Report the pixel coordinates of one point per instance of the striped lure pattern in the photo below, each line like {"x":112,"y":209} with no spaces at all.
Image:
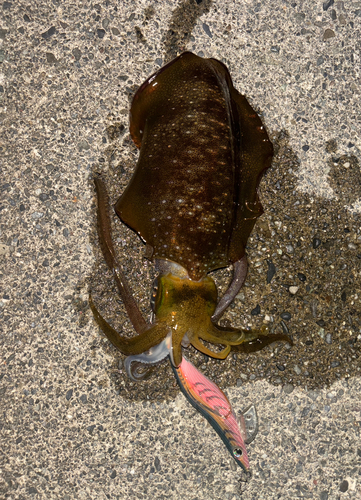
{"x":214,"y":405}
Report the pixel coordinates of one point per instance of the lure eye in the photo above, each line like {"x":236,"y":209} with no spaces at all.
{"x":237,"y":452}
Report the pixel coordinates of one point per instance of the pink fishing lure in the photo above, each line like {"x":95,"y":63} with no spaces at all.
{"x":214,"y":405}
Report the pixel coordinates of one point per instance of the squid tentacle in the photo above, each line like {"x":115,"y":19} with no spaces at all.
{"x":106,"y":244}
{"x":151,"y":357}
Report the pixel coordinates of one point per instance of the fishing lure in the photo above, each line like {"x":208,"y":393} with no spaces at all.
{"x":193,"y":199}
{"x":213,"y":404}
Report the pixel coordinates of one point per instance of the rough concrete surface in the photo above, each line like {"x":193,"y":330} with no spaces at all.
{"x":72,"y":426}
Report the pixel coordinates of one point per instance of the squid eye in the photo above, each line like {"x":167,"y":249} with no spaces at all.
{"x":154,"y":294}
{"x":237,"y":452}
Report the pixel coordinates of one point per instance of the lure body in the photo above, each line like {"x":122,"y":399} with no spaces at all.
{"x":193,"y":200}
{"x":213,"y":404}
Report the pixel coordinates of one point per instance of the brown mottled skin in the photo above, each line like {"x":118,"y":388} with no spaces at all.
{"x":193,"y":199}
{"x":193,"y":196}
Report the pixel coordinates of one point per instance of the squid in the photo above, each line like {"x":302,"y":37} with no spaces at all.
{"x":193,"y":199}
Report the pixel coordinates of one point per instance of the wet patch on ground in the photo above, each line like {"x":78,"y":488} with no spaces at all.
{"x":304,"y":280}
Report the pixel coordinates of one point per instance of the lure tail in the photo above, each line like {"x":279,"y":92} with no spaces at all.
{"x":214,"y":405}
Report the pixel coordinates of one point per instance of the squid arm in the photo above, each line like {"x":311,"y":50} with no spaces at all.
{"x":239,"y":276}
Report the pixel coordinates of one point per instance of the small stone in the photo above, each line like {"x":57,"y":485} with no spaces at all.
{"x":328,"y":338}
{"x":69,"y":394}
{"x":50,"y":58}
{"x":297,"y":370}
{"x":293,"y":289}
{"x":301,"y":277}
{"x":328,"y":34}
{"x":288,"y":388}
{"x":256,"y":311}
{"x":300,"y":17}
{"x":284,"y":327}
{"x":328,"y":4}
{"x":83,"y":145}
{"x":47,"y":34}
{"x":76,"y":53}
{"x":271,"y":271}
{"x":37,"y":215}
{"x":286,"y":316}
{"x":316,"y":242}
{"x":207,"y":30}
{"x":313,"y":395}
{"x":344,"y":486}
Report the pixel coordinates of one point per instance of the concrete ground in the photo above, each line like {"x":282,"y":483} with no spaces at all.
{"x":72,"y":426}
